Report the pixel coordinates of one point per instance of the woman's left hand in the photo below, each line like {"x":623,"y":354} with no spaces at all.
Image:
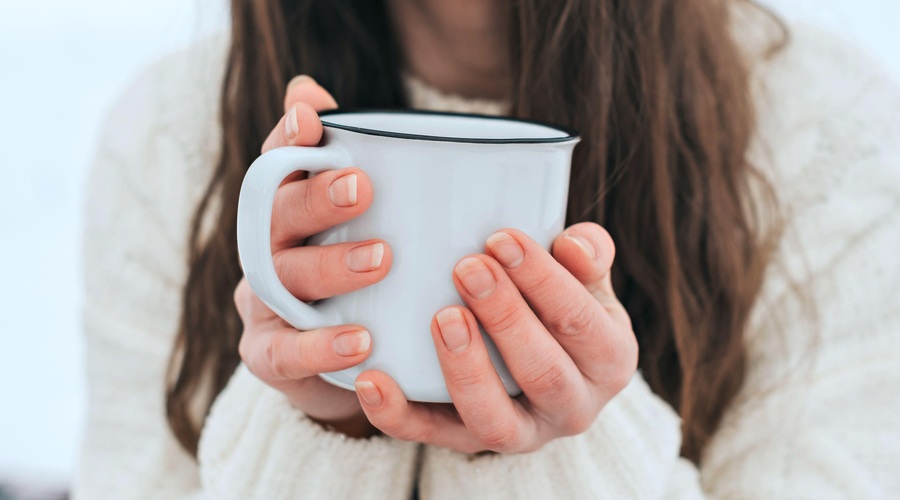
{"x":564,"y":336}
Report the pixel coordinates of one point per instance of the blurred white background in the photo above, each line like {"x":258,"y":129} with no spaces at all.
{"x":62,"y":62}
{"x":61,"y":65}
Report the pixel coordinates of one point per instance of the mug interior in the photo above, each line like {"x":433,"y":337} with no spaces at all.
{"x":445,"y":126}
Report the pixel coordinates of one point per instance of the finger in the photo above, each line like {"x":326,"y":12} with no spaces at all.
{"x":300,"y":126}
{"x":310,"y":206}
{"x":546,"y":374}
{"x":318,"y":272}
{"x":434,"y":424}
{"x":587,"y":251}
{"x":496,"y":420}
{"x":305,"y":393}
{"x":281,"y":354}
{"x":597,"y":344}
{"x":303,"y":88}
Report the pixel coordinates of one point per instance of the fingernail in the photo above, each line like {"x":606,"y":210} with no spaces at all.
{"x":506,"y":249}
{"x":290,"y":123}
{"x":476,"y":278}
{"x":453,"y":328}
{"x":351,"y":343}
{"x":342,"y":191}
{"x":299,"y":79}
{"x":365,"y":258}
{"x":585,"y":245}
{"x":370,"y":394}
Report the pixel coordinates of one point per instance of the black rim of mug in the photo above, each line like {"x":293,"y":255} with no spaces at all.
{"x":570,"y":133}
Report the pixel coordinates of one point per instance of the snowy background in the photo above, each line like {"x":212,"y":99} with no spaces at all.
{"x":61,"y":65}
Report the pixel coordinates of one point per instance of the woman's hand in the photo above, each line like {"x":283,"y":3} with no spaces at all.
{"x":281,"y":356}
{"x":556,"y":321}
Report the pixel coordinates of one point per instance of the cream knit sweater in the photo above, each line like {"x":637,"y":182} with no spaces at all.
{"x":819,"y":416}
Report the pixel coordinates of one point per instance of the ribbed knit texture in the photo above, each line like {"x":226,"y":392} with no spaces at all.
{"x":818,"y":417}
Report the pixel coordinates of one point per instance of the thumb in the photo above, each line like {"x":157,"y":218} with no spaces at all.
{"x":300,"y":125}
{"x":303,"y":88}
{"x":587,"y":251}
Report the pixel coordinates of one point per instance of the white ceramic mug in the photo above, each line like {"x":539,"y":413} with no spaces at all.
{"x":443,"y":182}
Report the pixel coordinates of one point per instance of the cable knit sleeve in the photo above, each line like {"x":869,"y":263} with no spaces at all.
{"x":154,"y":158}
{"x":817,"y":417}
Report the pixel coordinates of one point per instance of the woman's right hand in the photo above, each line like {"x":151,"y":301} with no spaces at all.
{"x":281,"y":356}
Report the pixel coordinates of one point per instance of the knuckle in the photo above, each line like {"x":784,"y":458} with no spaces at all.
{"x":631,"y":354}
{"x":283,"y":264}
{"x":318,"y":272}
{"x":541,"y":284}
{"x":293,"y":271}
{"x":326,"y":264}
{"x":505,"y":318}
{"x":467,"y":379}
{"x":500,"y":437}
{"x":276,"y":360}
{"x":283,"y":209}
{"x":575,"y":321}
{"x":621,"y":377}
{"x":577,"y":422}
{"x":244,"y":349}
{"x":547,"y":377}
{"x":624,"y":364}
{"x":310,"y":206}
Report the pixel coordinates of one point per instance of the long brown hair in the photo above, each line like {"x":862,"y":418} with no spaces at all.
{"x":661,"y":96}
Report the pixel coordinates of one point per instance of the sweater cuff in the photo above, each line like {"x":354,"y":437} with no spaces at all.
{"x":256,"y":445}
{"x":629,"y":452}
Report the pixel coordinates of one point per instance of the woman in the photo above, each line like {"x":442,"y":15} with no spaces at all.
{"x":732,"y":213}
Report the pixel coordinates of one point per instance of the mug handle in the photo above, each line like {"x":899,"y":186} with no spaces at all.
{"x":254,"y":227}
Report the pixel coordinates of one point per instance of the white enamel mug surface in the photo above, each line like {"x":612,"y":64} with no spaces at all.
{"x":443,"y":182}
